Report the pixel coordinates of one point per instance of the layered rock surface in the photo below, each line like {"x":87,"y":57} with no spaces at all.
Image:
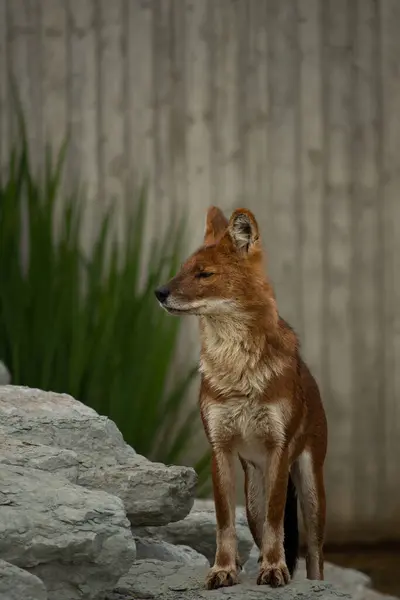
{"x":66,"y":437}
{"x":197,"y":530}
{"x":77,"y":541}
{"x":69,"y":482}
{"x":149,"y":548}
{"x":17,"y":584}
{"x":155,"y":580}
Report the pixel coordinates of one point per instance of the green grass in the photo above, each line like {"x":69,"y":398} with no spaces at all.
{"x":88,"y":326}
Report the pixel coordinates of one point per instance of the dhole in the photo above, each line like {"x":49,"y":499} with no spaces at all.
{"x":258,"y":400}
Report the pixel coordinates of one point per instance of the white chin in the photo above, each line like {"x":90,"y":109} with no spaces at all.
{"x":172,"y":310}
{"x":207,"y":308}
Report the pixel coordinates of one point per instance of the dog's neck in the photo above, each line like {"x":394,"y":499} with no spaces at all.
{"x":235,"y":354}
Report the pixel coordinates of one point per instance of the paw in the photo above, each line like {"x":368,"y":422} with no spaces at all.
{"x":219,"y":577}
{"x":275,"y":575}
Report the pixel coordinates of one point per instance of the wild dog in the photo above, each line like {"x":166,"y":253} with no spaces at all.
{"x":258,"y":400}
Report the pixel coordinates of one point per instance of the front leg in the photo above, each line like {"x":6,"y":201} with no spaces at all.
{"x":225,"y":570}
{"x":273,"y":569}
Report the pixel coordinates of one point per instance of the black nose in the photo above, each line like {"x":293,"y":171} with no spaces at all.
{"x":162,"y":293}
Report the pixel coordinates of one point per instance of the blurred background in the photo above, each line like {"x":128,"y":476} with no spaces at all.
{"x":121,"y":121}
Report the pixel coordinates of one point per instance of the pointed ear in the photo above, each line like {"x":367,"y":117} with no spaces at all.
{"x":216,"y":224}
{"x":243,"y":230}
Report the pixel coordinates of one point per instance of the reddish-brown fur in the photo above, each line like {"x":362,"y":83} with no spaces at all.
{"x":258,"y":399}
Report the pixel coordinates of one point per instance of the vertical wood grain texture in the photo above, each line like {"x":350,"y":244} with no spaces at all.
{"x":24,"y":20}
{"x":141,"y":107}
{"x":289,"y":107}
{"x":283,"y":84}
{"x":339,"y":248}
{"x":56,"y":117}
{"x":390,"y":80}
{"x":226,"y":92}
{"x":163,"y":85}
{"x":311,"y":153}
{"x":367,"y":433}
{"x":84,"y":108}
{"x":256,"y":185}
{"x":112,"y":122}
{"x":198,"y":115}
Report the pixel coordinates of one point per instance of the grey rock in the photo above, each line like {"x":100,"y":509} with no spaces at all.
{"x":60,"y":461}
{"x":152,"y":493}
{"x":354,"y":582}
{"x":5,"y":377}
{"x":53,"y":419}
{"x":98,"y":458}
{"x":373,"y":595}
{"x":198,"y":530}
{"x":350,"y":580}
{"x":77,"y":541}
{"x":17,"y":584}
{"x":174,"y":581}
{"x":207,"y":505}
{"x":251,"y":565}
{"x":148,"y":548}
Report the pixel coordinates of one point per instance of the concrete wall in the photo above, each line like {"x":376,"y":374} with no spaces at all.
{"x":290,"y":107}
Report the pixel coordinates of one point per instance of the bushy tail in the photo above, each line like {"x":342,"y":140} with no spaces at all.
{"x":291,"y":528}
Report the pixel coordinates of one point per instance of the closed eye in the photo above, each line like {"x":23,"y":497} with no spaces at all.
{"x":203,"y":274}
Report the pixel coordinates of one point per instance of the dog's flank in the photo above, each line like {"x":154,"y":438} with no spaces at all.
{"x":258,"y":400}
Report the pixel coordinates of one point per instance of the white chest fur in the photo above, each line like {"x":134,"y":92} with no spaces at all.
{"x":249,"y":425}
{"x":232,"y":360}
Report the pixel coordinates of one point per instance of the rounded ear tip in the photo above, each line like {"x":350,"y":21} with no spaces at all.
{"x":213,"y":210}
{"x":243,"y":228}
{"x":243,"y":215}
{"x":216,"y":223}
{"x":243,"y":211}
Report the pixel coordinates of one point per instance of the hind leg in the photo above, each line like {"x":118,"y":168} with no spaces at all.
{"x":255,"y":499}
{"x":309,"y":481}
